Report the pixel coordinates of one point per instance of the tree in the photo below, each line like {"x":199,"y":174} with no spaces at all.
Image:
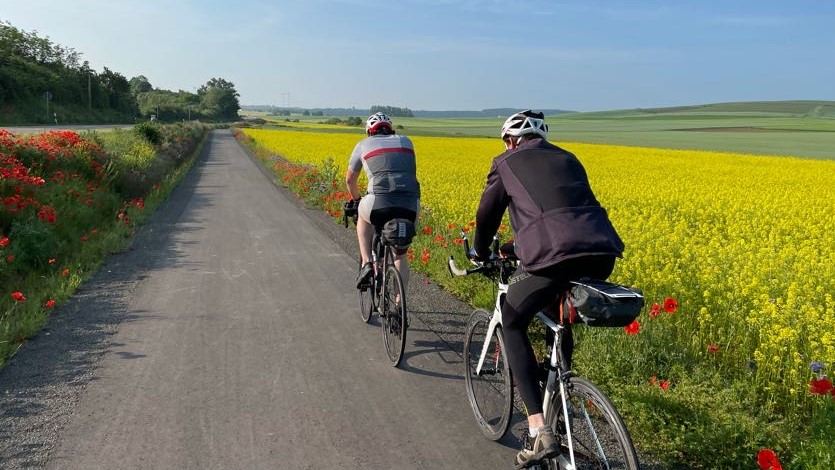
{"x":139,"y":85}
{"x":219,"y":99}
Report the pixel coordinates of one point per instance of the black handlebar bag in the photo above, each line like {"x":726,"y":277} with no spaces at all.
{"x":601,"y":303}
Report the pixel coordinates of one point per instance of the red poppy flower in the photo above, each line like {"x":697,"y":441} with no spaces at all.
{"x":10,"y":259}
{"x":4,"y":241}
{"x":713,"y":348}
{"x":65,"y":272}
{"x":427,"y":230}
{"x":18,"y":296}
{"x":670,"y":305}
{"x":84,"y":238}
{"x":51,"y":261}
{"x":664,"y":385}
{"x":472,"y":223}
{"x":49,"y":303}
{"x":655,"y":310}
{"x":767,"y":460}
{"x":632,"y":328}
{"x":820,"y":386}
{"x":653,"y":380}
{"x":439,"y":238}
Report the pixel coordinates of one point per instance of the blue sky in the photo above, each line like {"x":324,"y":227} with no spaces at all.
{"x":462,"y":55}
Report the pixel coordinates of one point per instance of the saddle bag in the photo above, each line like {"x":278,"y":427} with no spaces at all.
{"x":600,"y":303}
{"x":399,"y":232}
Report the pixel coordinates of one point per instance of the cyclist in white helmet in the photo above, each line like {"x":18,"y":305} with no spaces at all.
{"x":561,"y":233}
{"x":393,"y":189}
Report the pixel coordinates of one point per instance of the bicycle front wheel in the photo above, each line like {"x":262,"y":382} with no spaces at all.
{"x":489,"y":391}
{"x":599,"y":437}
{"x":393,"y":315}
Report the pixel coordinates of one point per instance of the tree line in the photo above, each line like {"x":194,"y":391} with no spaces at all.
{"x":43,"y":82}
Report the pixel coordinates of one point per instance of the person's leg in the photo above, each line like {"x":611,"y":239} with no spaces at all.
{"x":526,"y":295}
{"x":365,"y":236}
{"x":401,"y":263}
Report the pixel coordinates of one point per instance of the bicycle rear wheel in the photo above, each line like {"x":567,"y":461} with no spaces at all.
{"x":366,"y":295}
{"x":489,"y":392}
{"x":600,"y":439}
{"x":393,"y":315}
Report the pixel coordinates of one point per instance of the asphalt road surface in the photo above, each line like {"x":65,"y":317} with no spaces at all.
{"x":228,"y":337}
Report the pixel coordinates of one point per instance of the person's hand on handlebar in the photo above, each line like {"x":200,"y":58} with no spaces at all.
{"x":475,"y":257}
{"x":351,"y":210}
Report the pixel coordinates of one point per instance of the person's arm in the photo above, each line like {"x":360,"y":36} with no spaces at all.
{"x":494,"y":201}
{"x":353,"y":173}
{"x":351,"y":178}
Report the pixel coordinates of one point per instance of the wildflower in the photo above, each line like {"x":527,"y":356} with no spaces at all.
{"x":427,"y":230}
{"x":10,"y":259}
{"x":450,"y":225}
{"x":18,"y":296}
{"x":65,"y":272}
{"x":655,"y":310}
{"x":49,"y":303}
{"x":820,"y":386}
{"x":713,"y":348}
{"x":51,"y":261}
{"x":816,"y":367}
{"x":670,"y":305}
{"x":4,"y":241}
{"x":664,"y":385}
{"x":632,"y":328}
{"x":767,"y":460}
{"x":439,"y":238}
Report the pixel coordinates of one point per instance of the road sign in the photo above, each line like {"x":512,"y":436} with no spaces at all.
{"x":47,"y":96}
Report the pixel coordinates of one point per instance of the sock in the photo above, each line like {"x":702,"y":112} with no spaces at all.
{"x":533,"y":432}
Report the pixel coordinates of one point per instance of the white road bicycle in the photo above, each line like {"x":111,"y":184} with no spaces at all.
{"x":591,"y":432}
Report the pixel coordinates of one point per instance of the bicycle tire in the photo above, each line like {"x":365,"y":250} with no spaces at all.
{"x":393,"y":315}
{"x":490,"y":393}
{"x":600,"y":438}
{"x":366,"y":297}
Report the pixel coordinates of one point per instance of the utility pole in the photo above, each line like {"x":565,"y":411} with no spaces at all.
{"x":89,"y":94}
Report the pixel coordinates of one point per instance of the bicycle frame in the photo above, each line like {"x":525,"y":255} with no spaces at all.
{"x":557,"y":372}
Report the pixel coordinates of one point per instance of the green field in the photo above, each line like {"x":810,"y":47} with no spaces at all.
{"x":794,"y":128}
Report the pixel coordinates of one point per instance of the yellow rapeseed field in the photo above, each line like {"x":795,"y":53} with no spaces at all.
{"x":745,"y":244}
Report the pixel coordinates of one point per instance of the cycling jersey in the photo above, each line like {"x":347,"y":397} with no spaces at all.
{"x":389,"y":164}
{"x":553,"y":211}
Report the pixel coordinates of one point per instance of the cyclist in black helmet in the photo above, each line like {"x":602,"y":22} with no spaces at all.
{"x":393,"y":189}
{"x":561,"y":232}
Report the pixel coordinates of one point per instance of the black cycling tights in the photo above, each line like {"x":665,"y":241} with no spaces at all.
{"x":529,"y":293}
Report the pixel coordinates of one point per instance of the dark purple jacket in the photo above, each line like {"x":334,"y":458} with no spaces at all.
{"x":553,"y":212}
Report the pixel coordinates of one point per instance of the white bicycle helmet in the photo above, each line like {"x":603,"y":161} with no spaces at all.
{"x":377,"y":121}
{"x":525,"y":122}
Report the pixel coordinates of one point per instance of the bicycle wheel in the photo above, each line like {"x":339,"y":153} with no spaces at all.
{"x":393,"y":315}
{"x":366,"y":295}
{"x":600,"y":439}
{"x":489,"y":392}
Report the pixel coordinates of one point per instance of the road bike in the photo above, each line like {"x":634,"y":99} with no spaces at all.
{"x":385,"y":293}
{"x":591,"y":431}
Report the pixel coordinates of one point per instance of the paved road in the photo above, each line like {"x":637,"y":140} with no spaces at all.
{"x":228,"y":337}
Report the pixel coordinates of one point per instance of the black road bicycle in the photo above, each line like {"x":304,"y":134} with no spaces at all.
{"x":591,"y":432}
{"x":384,"y":294}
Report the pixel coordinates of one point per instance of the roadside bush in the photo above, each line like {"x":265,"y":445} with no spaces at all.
{"x":149,"y":131}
